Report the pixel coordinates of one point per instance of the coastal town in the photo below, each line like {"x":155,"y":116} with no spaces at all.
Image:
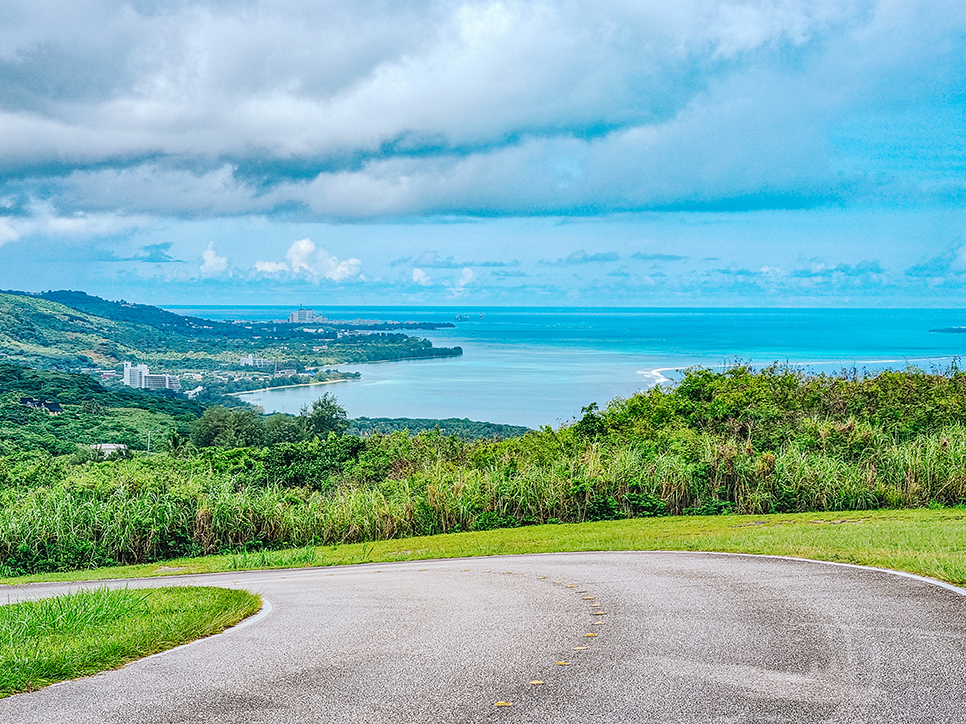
{"x":149,"y":348}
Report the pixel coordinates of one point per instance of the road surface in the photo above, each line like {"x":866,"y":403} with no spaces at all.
{"x":613,"y":637}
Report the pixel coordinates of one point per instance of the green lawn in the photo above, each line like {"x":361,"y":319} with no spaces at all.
{"x":82,"y":633}
{"x":926,"y":542}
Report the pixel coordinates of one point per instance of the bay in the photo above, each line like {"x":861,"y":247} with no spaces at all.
{"x":540,"y":366}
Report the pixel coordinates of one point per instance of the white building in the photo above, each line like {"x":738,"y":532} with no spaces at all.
{"x":162,"y":382}
{"x":134,"y":374}
{"x":140,"y":376}
{"x":302,"y":316}
{"x":253,"y":361}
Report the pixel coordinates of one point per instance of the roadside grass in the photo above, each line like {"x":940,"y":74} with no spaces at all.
{"x":922,"y":541}
{"x":79,"y":634}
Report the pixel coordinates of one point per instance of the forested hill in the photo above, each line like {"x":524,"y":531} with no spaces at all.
{"x":156,"y":317}
{"x":41,"y":333}
{"x":67,"y":330}
{"x":90,"y":413}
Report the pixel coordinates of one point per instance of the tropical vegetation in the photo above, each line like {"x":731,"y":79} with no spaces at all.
{"x":740,"y":441}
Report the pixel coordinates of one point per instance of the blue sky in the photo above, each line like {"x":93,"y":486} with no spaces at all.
{"x":695,"y":153}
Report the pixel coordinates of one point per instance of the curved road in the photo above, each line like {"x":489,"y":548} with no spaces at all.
{"x":613,"y":637}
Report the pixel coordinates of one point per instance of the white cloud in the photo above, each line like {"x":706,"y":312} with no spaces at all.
{"x":44,"y":221}
{"x":303,"y":256}
{"x":959,"y":260}
{"x":212,"y":264}
{"x":271,"y":267}
{"x":467,"y":276}
{"x":358,"y":109}
{"x":420,"y":276}
{"x":7,"y":231}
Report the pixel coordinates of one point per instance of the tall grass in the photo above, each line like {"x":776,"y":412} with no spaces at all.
{"x":737,"y":442}
{"x":78,"y":634}
{"x":152,"y":509}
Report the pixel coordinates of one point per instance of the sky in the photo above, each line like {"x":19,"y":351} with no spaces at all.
{"x":617,"y":153}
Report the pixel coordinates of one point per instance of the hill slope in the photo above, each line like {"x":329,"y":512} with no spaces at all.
{"x":42,"y":331}
{"x":91,"y":412}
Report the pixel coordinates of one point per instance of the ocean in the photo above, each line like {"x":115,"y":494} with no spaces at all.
{"x":540,"y":366}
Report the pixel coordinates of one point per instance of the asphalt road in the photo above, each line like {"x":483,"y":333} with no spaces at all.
{"x":613,"y":637}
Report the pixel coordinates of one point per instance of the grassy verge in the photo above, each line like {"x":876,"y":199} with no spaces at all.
{"x":926,"y":542}
{"x":79,"y":634}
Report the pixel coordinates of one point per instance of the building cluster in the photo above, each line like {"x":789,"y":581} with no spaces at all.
{"x":303,"y":316}
{"x":140,"y":376}
{"x":253,"y":361}
{"x":52,"y":408}
{"x":99,"y":372}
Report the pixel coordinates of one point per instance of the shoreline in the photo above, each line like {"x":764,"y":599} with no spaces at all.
{"x":286,"y":387}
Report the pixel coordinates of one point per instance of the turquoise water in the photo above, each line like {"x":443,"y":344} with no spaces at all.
{"x":539,"y":366}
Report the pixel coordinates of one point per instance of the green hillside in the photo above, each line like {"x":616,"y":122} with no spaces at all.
{"x":91,"y":413}
{"x":42,"y":331}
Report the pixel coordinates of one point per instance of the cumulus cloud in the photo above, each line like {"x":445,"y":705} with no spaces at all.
{"x":303,"y":255}
{"x":212,"y":264}
{"x":271,"y":267}
{"x":420,"y":277}
{"x":357,"y":109}
{"x":307,"y":260}
{"x":466,"y":277}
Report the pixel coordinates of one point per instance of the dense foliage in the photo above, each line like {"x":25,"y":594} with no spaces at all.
{"x":220,"y":427}
{"x":771,"y":441}
{"x":461,"y":427}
